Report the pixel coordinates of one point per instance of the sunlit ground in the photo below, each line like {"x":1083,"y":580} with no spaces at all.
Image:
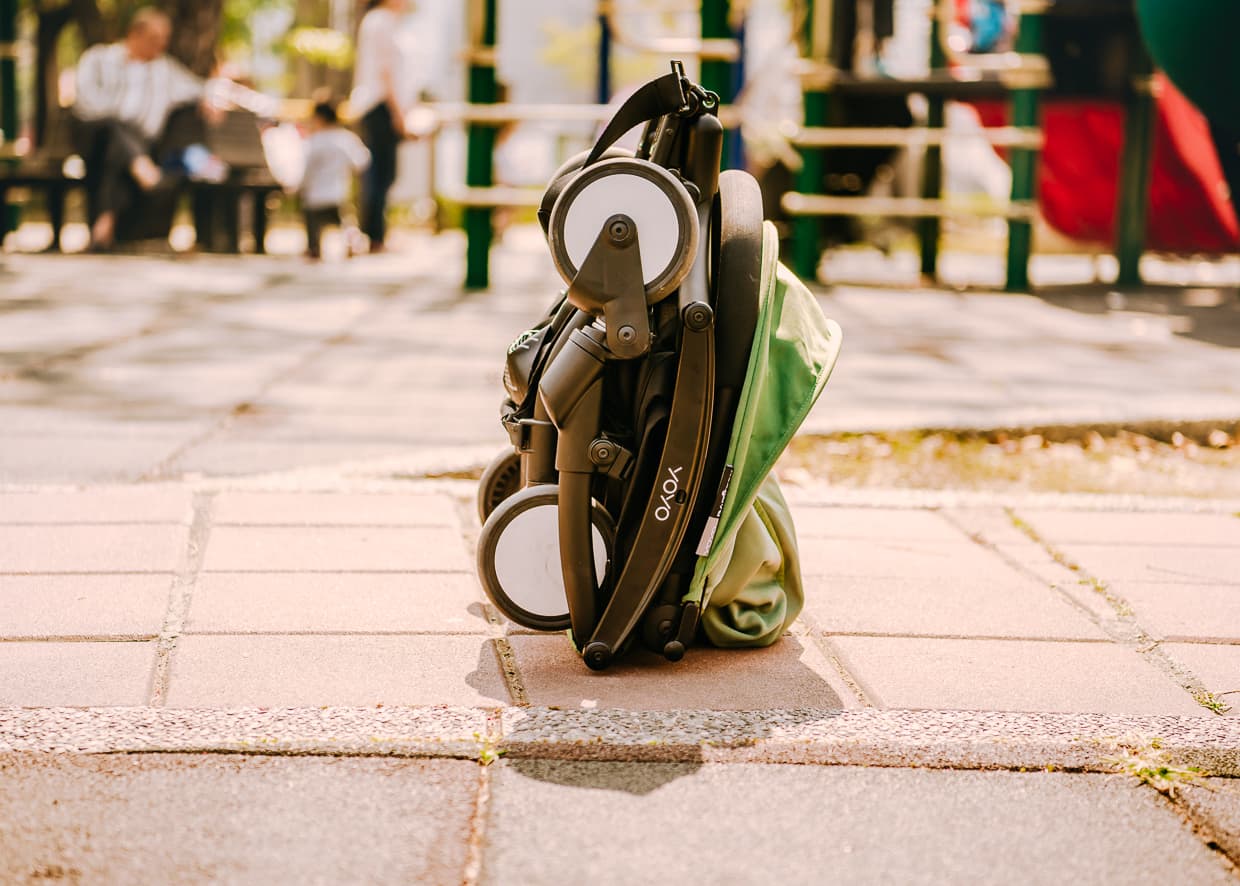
{"x":1123,"y":463}
{"x":972,"y":257}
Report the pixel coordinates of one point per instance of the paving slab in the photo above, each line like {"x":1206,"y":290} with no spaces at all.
{"x":864,"y":737}
{"x":790,"y":674}
{"x":1216,"y":664}
{"x":287,"y":671}
{"x":238,"y":455}
{"x":333,"y":509}
{"x":991,"y":524}
{"x":1182,"y":564}
{"x":1149,"y":528}
{"x":155,"y":818}
{"x":1185,"y":611}
{"x":51,"y":457}
{"x":903,"y":558}
{"x":928,"y":606}
{"x":1215,"y":803}
{"x":353,"y":602}
{"x":334,"y":549}
{"x":82,"y":605}
{"x":425,"y":731}
{"x":79,"y":674}
{"x":1010,"y":675}
{"x":797,"y":824}
{"x":872,"y":523}
{"x":134,"y":504}
{"x":108,"y":548}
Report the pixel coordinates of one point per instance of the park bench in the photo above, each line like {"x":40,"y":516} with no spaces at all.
{"x":220,"y":209}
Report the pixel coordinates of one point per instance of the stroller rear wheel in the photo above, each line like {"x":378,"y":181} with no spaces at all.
{"x":519,"y":557}
{"x":501,"y":479}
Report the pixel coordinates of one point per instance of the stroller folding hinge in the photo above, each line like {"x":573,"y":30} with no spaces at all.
{"x":611,"y":458}
{"x":610,"y":284}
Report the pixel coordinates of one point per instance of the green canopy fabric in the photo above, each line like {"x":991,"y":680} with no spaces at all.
{"x":749,"y":579}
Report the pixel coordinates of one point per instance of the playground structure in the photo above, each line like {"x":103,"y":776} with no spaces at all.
{"x":1014,"y":82}
{"x":1015,"y":91}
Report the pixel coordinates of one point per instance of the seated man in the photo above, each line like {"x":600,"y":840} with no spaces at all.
{"x":125,"y":92}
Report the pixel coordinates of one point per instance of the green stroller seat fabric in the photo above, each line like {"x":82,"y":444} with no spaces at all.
{"x":749,"y":578}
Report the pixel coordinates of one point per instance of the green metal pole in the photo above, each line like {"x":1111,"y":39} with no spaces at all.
{"x":8,"y":96}
{"x":717,"y":75}
{"x":929,"y":229}
{"x":1025,"y":110}
{"x":807,"y":229}
{"x":481,"y":146}
{"x":1132,"y":209}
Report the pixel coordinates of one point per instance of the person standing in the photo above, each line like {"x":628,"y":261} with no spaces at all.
{"x":380,"y":99}
{"x":125,"y":92}
{"x":333,"y":156}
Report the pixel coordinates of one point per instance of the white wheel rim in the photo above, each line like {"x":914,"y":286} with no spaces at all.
{"x":650,"y":207}
{"x":527,"y":561}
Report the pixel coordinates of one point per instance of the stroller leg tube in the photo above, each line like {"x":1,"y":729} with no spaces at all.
{"x":572,"y":392}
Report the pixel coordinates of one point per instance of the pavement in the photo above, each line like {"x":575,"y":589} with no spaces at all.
{"x":241,"y":639}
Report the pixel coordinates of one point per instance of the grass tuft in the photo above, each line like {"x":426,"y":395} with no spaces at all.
{"x":1144,"y":759}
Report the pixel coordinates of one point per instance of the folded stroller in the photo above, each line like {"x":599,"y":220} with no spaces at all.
{"x":648,"y":407}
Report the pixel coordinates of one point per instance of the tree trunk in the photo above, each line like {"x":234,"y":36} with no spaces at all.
{"x":195,"y":32}
{"x":91,"y":22}
{"x":50,"y":25}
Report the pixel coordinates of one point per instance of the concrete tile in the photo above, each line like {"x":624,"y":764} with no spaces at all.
{"x":1010,"y":675}
{"x":1015,"y":608}
{"x":34,"y":674}
{"x":55,"y":458}
{"x":903,"y":558}
{"x":831,"y":824}
{"x":140,"y":504}
{"x":993,"y":525}
{"x":1189,"y":565}
{"x":182,"y":818}
{"x":236,"y":454}
{"x":287,"y":602}
{"x":790,"y":674}
{"x":872,"y":523}
{"x":82,"y":605}
{"x":1184,"y":611}
{"x":1121,"y":528}
{"x":110,"y":548}
{"x":1216,"y":664}
{"x":335,"y":549}
{"x":1217,"y":804}
{"x":333,"y":509}
{"x":289,"y":671}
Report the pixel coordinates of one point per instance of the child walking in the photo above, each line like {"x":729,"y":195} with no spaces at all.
{"x":333,"y":156}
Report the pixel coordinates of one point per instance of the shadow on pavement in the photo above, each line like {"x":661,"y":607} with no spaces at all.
{"x":1210,"y":315}
{"x":637,"y":780}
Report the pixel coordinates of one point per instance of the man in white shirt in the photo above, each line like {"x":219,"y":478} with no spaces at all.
{"x":125,"y":92}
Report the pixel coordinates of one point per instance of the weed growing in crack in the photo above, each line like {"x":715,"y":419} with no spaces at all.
{"x":1212,"y":702}
{"x":488,"y":749}
{"x":1144,"y":759}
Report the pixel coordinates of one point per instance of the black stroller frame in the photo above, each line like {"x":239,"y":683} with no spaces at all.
{"x":621,"y":402}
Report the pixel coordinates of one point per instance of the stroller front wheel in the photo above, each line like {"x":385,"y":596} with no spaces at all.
{"x":519,"y":557}
{"x":501,"y":479}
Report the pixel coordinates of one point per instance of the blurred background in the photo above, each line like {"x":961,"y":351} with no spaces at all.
{"x":980,"y":142}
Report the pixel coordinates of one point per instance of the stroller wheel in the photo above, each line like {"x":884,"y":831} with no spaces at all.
{"x":519,"y":557}
{"x":501,"y":479}
{"x":652,"y":197}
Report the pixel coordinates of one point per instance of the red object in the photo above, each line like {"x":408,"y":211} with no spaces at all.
{"x":1189,"y":211}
